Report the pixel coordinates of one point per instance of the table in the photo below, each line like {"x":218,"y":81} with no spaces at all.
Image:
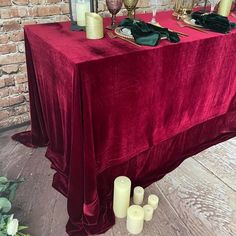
{"x":106,"y":108}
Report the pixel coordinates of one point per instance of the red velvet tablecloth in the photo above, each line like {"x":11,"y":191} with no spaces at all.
{"x":107,"y":108}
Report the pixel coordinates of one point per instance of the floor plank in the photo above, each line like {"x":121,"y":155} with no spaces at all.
{"x":221,"y":160}
{"x":203,"y":202}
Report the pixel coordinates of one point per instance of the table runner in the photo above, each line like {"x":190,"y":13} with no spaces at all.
{"x":107,"y":108}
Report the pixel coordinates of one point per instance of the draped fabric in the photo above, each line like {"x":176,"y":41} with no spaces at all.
{"x":106,"y":108}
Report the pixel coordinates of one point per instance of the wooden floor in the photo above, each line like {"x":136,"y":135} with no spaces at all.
{"x":196,"y":199}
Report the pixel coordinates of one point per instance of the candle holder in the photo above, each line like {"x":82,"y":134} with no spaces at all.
{"x":75,"y":7}
{"x":183,"y":8}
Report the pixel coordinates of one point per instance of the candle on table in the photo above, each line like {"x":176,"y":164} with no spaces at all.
{"x":81,"y":8}
{"x":153,"y":201}
{"x":121,"y":196}
{"x":148,"y":212}
{"x":138,"y":195}
{"x":135,"y":218}
{"x":224,"y":7}
{"x":94,"y":26}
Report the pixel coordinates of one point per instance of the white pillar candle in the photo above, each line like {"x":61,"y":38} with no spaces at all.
{"x":94,"y":26}
{"x":138,"y":195}
{"x":121,"y":196}
{"x":148,"y":212}
{"x":81,"y":9}
{"x":153,"y":201}
{"x":224,"y":7}
{"x":135,"y":218}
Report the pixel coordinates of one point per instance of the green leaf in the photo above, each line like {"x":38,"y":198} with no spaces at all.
{"x":3,"y":179}
{"x":5,"y":204}
{"x":22,"y":227}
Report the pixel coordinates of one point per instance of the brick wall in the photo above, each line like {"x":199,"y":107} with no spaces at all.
{"x":14,"y":14}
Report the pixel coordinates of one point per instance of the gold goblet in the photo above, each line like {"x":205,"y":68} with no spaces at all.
{"x":130,"y":5}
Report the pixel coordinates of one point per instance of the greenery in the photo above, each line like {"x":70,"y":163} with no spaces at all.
{"x":9,"y":226}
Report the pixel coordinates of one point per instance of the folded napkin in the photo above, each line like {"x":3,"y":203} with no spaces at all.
{"x":213,"y":21}
{"x":148,"y":34}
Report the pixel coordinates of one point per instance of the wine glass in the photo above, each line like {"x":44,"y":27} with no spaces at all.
{"x":130,"y":5}
{"x":114,"y":7}
{"x":213,"y":4}
{"x":154,"y":6}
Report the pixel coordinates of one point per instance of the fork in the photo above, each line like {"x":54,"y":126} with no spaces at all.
{"x":181,"y":24}
{"x":113,"y":36}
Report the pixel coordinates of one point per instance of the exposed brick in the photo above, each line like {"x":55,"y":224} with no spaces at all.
{"x":35,"y":2}
{"x":4,"y":102}
{"x":17,"y":36}
{"x":61,"y":18}
{"x":53,"y":1}
{"x":19,"y":89}
{"x":7,"y":48}
{"x":33,"y":11}
{"x":11,"y":25}
{"x":16,"y":100}
{"x":3,"y":38}
{"x":22,"y":68}
{"x":9,"y":81}
{"x":14,"y":12}
{"x":49,"y":10}
{"x":20,"y":2}
{"x":66,"y":1}
{"x":9,"y":69}
{"x":4,"y":114}
{"x":21,"y":47}
{"x":28,"y":22}
{"x":21,"y":78}
{"x":27,"y":97}
{"x":2,"y":82}
{"x":12,"y":59}
{"x":4,"y":3}
{"x":65,"y":9}
{"x":4,"y":92}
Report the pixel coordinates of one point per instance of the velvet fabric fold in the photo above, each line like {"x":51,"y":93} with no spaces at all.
{"x":105,"y":108}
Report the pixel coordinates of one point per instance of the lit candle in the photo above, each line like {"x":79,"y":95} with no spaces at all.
{"x":138,"y":195}
{"x":153,"y":201}
{"x":121,"y":196}
{"x":148,"y":212}
{"x":135,"y":218}
{"x":81,"y":8}
{"x":224,"y":7}
{"x":94,"y":26}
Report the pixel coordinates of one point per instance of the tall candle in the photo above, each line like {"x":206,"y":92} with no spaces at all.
{"x":81,"y":8}
{"x":135,"y":218}
{"x":153,"y":200}
{"x":148,"y":212}
{"x":121,"y":196}
{"x":94,"y":26}
{"x":138,"y":195}
{"x":224,"y":7}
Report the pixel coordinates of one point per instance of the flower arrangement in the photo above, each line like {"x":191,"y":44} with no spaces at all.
{"x":9,"y":226}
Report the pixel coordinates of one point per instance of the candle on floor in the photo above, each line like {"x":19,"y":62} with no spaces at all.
{"x":148,"y":212}
{"x":121,"y":196}
{"x":81,"y":8}
{"x":138,"y":195}
{"x":94,"y":26}
{"x":135,"y":218}
{"x":153,"y":201}
{"x":224,"y":7}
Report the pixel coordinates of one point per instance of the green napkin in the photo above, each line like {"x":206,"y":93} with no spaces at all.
{"x":148,"y":34}
{"x":213,"y":21}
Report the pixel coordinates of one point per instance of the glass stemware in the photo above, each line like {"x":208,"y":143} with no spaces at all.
{"x":154,"y":6}
{"x":114,"y":7}
{"x":213,"y":4}
{"x":130,"y":5}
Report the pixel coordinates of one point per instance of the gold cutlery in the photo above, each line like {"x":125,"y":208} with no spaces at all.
{"x":113,"y":36}
{"x":181,"y":24}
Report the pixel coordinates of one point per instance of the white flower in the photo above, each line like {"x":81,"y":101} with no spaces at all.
{"x":12,"y":227}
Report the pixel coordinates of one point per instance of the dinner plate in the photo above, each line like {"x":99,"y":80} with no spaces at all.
{"x":190,"y":21}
